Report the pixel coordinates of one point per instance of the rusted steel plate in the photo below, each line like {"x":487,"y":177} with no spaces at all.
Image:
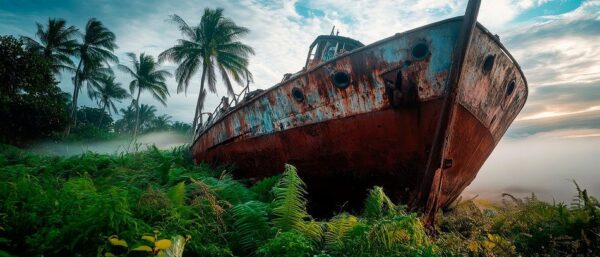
{"x":486,"y":93}
{"x":341,"y":159}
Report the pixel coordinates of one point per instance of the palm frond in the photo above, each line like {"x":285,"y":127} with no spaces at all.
{"x":182,"y":25}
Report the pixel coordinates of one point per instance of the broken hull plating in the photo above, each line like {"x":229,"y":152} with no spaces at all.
{"x":381,"y":129}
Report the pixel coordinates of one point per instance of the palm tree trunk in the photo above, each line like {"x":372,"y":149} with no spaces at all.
{"x":102,"y":116}
{"x":76,"y":86}
{"x":137,"y":116}
{"x":198,"y":109}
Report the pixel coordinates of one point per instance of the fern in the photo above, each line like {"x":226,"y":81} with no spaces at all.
{"x":402,"y":230}
{"x":177,"y":194}
{"x":289,"y":205}
{"x":263,"y":188}
{"x":251,"y":224}
{"x":337,"y":229}
{"x":378,"y":204}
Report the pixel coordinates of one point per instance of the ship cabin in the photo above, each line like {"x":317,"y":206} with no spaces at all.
{"x":327,"y":47}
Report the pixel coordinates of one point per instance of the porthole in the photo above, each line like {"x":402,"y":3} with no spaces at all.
{"x":488,"y":64}
{"x":297,"y":94}
{"x":510,"y":87}
{"x":340,"y":79}
{"x":420,"y":50}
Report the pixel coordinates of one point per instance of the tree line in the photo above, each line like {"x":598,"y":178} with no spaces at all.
{"x":211,"y":46}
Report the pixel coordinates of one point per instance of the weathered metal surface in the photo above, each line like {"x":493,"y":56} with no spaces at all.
{"x":276,"y":110}
{"x":380,"y":130}
{"x":428,"y":193}
{"x":485,"y":93}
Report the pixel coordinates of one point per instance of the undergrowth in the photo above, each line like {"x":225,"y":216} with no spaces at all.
{"x":159,"y":203}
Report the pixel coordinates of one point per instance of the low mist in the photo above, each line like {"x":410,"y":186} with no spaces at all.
{"x":545,"y":164}
{"x":162,"y":140}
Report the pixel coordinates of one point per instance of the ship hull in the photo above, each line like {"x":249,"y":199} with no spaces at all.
{"x":395,"y":126}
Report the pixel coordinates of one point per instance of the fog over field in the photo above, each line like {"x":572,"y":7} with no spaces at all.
{"x":162,"y":140}
{"x":545,"y":164}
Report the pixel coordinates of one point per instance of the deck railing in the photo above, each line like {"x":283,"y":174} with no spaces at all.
{"x":224,"y":106}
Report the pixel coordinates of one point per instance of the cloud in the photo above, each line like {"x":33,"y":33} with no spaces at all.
{"x":560,"y":56}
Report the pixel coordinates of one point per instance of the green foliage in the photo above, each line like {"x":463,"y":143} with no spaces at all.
{"x":32,"y":106}
{"x":94,"y":204}
{"x":541,"y":228}
{"x":336,"y":231}
{"x":289,"y":205}
{"x":214,"y":45}
{"x":177,"y":194}
{"x":250,"y":224}
{"x":377,"y":204}
{"x":287,"y":244}
{"x":106,"y":92}
{"x":94,"y":50}
{"x":147,"y":76}
{"x":56,"y":43}
{"x":97,"y":118}
{"x":263,"y":188}
{"x":383,"y":232}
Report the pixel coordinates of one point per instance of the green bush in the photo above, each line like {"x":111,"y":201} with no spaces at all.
{"x":32,"y":106}
{"x":287,"y":244}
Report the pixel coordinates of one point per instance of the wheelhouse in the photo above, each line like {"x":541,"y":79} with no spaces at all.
{"x":327,"y":47}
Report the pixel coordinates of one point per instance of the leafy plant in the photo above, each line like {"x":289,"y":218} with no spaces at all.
{"x":378,"y":204}
{"x":27,"y":87}
{"x":251,"y":225}
{"x":287,"y":244}
{"x":289,"y":205}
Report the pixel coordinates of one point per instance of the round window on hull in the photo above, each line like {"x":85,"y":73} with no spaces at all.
{"x":420,"y":51}
{"x":341,"y":79}
{"x":510,"y":88}
{"x":488,"y":64}
{"x":297,"y":94}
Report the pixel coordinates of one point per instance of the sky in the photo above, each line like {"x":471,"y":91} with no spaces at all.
{"x":556,"y":137}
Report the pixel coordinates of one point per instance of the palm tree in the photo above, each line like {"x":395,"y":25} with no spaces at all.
{"x":162,"y":122}
{"x":56,"y":43}
{"x":127,"y":122}
{"x":181,"y":127}
{"x":96,"y":48}
{"x":212,"y":45}
{"x":145,"y":115}
{"x":107,"y":92}
{"x":147,"y":76}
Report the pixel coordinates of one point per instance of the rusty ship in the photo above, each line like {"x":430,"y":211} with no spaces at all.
{"x":417,"y":113}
